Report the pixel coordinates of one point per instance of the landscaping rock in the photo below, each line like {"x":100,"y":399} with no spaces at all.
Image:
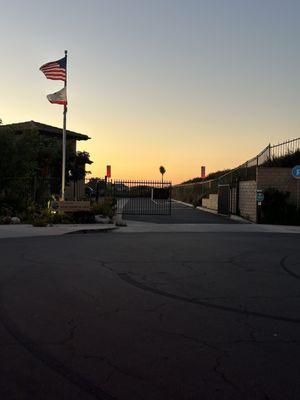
{"x":15,"y":220}
{"x":120,"y":221}
{"x":6,"y":220}
{"x":102,"y":220}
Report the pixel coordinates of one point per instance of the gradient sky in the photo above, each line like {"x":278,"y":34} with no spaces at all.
{"x":158,"y":82}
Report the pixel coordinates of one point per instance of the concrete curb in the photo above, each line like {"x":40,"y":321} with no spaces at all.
{"x":85,"y":231}
{"x":182,"y":202}
{"x":24,"y":230}
{"x":148,"y":227}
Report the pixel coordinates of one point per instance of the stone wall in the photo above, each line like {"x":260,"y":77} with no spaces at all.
{"x":278,"y":178}
{"x":247,"y":200}
{"x":211,"y":202}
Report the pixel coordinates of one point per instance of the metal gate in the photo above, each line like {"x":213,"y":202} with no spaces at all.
{"x":224,"y":199}
{"x":138,"y":197}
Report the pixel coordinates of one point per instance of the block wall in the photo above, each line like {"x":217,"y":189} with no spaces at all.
{"x":278,"y":178}
{"x":211,"y":202}
{"x":247,"y":200}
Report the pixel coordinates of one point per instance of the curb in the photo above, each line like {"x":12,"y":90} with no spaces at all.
{"x":28,"y":231}
{"x":87,"y":231}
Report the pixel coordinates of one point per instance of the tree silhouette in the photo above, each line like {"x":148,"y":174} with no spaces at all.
{"x":162,"y":170}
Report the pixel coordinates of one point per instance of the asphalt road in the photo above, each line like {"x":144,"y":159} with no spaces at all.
{"x":180,"y":213}
{"x":150,"y":316}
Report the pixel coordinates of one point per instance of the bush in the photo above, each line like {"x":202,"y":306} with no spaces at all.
{"x":83,"y":217}
{"x":275,"y":209}
{"x":40,"y":222}
{"x":60,"y":217}
{"x":38,"y":216}
{"x":292,"y":215}
{"x":107,"y":207}
{"x":287,"y":161}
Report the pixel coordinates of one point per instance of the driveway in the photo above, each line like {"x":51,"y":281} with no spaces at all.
{"x":180,"y":214}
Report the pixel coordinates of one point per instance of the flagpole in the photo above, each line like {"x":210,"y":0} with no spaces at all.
{"x":63,"y":178}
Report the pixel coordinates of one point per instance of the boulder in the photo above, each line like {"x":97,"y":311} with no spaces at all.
{"x":102,"y":220}
{"x":15,"y":220}
{"x":120,"y":221}
{"x":6,"y":220}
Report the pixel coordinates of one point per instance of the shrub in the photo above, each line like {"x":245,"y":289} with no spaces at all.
{"x":275,"y":208}
{"x":83,"y":217}
{"x":288,"y":160}
{"x":5,"y":215}
{"x":40,"y":222}
{"x":42,"y":217}
{"x":60,"y":217}
{"x":107,"y":207}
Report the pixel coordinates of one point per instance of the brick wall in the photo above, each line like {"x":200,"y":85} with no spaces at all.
{"x":211,"y":202}
{"x":247,"y":200}
{"x":278,"y":178}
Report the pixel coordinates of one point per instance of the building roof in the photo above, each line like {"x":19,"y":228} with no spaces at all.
{"x":43,"y":129}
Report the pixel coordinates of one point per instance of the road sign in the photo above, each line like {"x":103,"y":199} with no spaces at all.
{"x":259,"y":196}
{"x":296,"y":172}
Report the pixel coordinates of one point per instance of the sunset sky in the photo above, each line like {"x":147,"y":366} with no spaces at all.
{"x":179,"y":83}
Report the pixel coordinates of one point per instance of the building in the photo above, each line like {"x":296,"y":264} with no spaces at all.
{"x":44,"y":129}
{"x":51,"y":132}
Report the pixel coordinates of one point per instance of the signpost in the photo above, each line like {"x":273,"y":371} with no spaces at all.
{"x":259,"y":199}
{"x":296,"y":175}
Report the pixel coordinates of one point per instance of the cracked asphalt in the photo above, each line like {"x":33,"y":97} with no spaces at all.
{"x":150,"y":316}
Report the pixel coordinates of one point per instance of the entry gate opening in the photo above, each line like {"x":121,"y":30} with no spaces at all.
{"x":224,"y":199}
{"x":139,"y":197}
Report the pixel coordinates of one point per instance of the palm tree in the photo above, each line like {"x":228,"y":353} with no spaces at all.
{"x":162,"y":170}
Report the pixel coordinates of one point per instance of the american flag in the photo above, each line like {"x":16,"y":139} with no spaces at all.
{"x":55,"y":70}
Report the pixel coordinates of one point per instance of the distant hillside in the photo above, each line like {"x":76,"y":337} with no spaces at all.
{"x":212,"y":175}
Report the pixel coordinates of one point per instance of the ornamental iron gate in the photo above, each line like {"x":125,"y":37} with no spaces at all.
{"x":137,"y":197}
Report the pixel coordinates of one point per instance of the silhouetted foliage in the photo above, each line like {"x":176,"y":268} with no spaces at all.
{"x":288,"y":160}
{"x":30,"y":167}
{"x":162,"y":170}
{"x":77,"y":162}
{"x":275,"y":208}
{"x":212,"y":175}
